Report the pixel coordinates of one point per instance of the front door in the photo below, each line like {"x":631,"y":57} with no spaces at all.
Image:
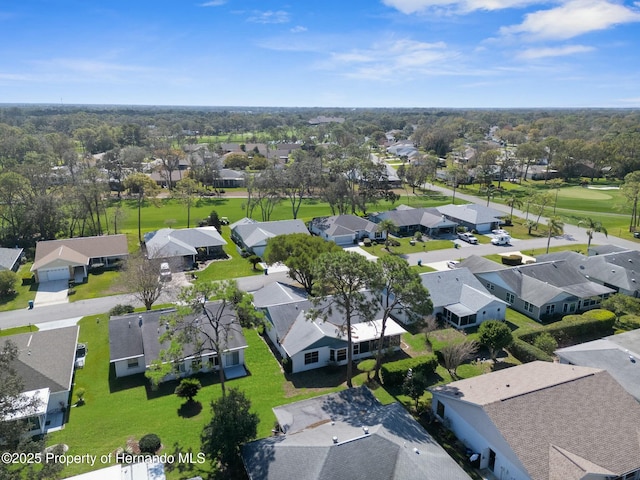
{"x":492,"y":460}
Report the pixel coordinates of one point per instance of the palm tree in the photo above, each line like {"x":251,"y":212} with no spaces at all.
{"x":556,"y":227}
{"x":513,"y":202}
{"x":387,"y":226}
{"x":592,"y":227}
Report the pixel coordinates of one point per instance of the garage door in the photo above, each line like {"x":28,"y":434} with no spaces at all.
{"x":54,"y":274}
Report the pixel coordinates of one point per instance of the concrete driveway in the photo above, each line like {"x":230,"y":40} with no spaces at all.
{"x":52,"y":293}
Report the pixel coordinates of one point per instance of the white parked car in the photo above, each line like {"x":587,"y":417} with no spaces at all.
{"x":499,"y":232}
{"x":452,"y":263}
{"x":81,"y":355}
{"x":165,"y":271}
{"x":467,"y":237}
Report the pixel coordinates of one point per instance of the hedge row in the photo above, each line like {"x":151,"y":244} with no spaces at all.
{"x":592,"y":322}
{"x":394,"y":373}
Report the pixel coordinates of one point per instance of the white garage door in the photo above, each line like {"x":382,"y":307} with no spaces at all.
{"x":54,"y":274}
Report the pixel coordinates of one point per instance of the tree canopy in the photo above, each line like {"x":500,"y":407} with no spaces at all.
{"x":495,"y":335}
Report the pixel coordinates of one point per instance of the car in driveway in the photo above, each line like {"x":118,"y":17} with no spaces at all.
{"x":165,"y":272}
{"x":452,"y":263}
{"x":468,"y":237}
{"x":81,"y":355}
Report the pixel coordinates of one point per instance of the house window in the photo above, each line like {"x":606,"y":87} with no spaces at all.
{"x":510,"y":297}
{"x":528,"y":307}
{"x":550,"y":310}
{"x":132,"y":363}
{"x":196,"y":365}
{"x":233,"y":358}
{"x":311,"y":357}
{"x":440,"y":409}
{"x":568,"y":308}
{"x":339,"y":355}
{"x":490,"y":286}
{"x":213,"y":361}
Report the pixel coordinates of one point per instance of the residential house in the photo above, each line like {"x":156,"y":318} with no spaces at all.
{"x":544,"y":290}
{"x":71,"y":258}
{"x":181,"y":247}
{"x":617,"y":354}
{"x":348,"y":434}
{"x":45,"y":364}
{"x":404,"y":148}
{"x":616,"y":270}
{"x":473,"y":216}
{"x":411,"y":220}
{"x":310,"y":344}
{"x":545,"y":421}
{"x":10,"y":258}
{"x":604,"y":249}
{"x":134,"y":471}
{"x":459,"y":299}
{"x":252,"y":236}
{"x":277,"y":293}
{"x":134,"y":344}
{"x":345,"y":229}
{"x":320,"y":119}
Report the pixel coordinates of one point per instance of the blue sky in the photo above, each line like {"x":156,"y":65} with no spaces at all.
{"x":351,"y":53}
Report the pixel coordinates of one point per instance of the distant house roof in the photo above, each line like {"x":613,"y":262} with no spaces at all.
{"x":477,"y":264}
{"x":137,"y":335}
{"x":46,"y":358}
{"x":393,"y":446}
{"x":404,"y":216}
{"x":604,"y":249}
{"x":257,"y":233}
{"x":457,"y":287}
{"x":9,"y":257}
{"x":617,"y":354}
{"x":338,"y":225}
{"x":277,"y":293}
{"x":551,"y":415}
{"x":322,"y":119}
{"x":84,"y":247}
{"x":471,"y":213}
{"x":166,"y":242}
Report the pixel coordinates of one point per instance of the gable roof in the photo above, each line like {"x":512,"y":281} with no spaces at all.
{"x":9,"y":257}
{"x":478,"y":264}
{"x":137,"y":335}
{"x":617,"y":354}
{"x":46,"y":358}
{"x":403,"y":449}
{"x":62,"y":255}
{"x":257,"y":233}
{"x":91,"y":247}
{"x":549,"y":412}
{"x":471,"y":213}
{"x":277,"y":293}
{"x":338,"y":225}
{"x":167,"y":242}
{"x":457,"y":286}
{"x":296,"y":332}
{"x":404,"y":216}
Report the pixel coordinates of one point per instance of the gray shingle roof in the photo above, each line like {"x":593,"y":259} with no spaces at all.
{"x":471,"y":213}
{"x":46,"y":358}
{"x":254,"y":234}
{"x":479,"y":264}
{"x":277,"y":293}
{"x":135,"y":335}
{"x":617,"y":354}
{"x":541,"y":407}
{"x":343,"y":224}
{"x":407,"y":217}
{"x":459,"y":285}
{"x":166,"y":242}
{"x":9,"y":257}
{"x":308,"y":452}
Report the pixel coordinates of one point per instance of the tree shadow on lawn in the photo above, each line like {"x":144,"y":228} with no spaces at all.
{"x":189,"y":409}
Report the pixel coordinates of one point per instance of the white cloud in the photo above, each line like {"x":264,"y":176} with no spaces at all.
{"x":391,"y":59}
{"x":574,"y":18}
{"x":409,"y":7}
{"x":298,"y":29}
{"x":535,"y":53}
{"x":269,"y":16}
{"x":213,"y":3}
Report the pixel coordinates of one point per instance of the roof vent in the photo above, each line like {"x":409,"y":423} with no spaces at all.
{"x":365,"y":430}
{"x":416,"y":450}
{"x":508,"y":385}
{"x":335,"y":439}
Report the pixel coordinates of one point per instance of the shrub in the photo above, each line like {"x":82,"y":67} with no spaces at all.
{"x":418,"y":235}
{"x":366,"y":242}
{"x":286,"y":365}
{"x":120,"y":310}
{"x":188,"y":388}
{"x":512,"y":260}
{"x":8,"y":282}
{"x":546,"y":343}
{"x":628,"y":322}
{"x":150,"y":443}
{"x":394,"y":373}
{"x":525,"y":352}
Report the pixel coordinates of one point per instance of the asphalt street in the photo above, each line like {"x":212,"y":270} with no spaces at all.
{"x":573,"y":235}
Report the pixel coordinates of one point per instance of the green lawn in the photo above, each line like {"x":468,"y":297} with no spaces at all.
{"x":99,"y":284}
{"x":18,"y":330}
{"x":25,"y":291}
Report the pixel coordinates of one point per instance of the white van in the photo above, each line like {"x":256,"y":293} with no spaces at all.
{"x":501,"y":240}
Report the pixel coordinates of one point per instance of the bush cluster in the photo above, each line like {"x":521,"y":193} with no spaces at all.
{"x":394,"y":373}
{"x":120,"y":310}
